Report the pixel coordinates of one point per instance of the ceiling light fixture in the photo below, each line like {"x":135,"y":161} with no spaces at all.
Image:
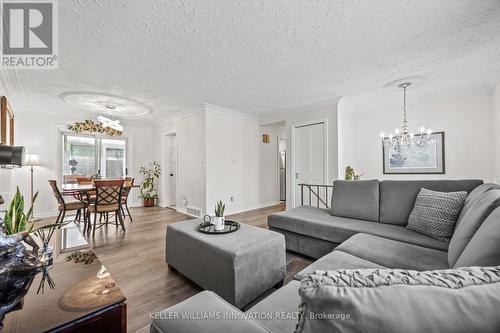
{"x":403,"y":141}
{"x":114,"y":124}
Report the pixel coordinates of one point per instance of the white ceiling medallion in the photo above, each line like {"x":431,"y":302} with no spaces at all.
{"x":108,"y":104}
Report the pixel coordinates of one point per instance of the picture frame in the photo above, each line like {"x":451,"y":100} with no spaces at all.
{"x":429,"y":160}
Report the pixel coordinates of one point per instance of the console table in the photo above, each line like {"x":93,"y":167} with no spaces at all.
{"x":79,"y":298}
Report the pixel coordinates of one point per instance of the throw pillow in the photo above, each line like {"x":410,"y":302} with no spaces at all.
{"x":435,"y":213}
{"x":393,"y":300}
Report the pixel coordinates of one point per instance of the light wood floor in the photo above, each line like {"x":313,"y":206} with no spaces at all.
{"x":136,"y":260}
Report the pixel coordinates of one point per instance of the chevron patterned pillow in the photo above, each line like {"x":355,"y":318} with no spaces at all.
{"x":435,"y":213}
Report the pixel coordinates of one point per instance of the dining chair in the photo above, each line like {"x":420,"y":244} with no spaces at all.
{"x":129,"y":182}
{"x":108,"y":200}
{"x":87,"y":181}
{"x":65,"y":206}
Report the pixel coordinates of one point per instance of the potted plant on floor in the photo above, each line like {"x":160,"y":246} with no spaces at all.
{"x":151,"y":174}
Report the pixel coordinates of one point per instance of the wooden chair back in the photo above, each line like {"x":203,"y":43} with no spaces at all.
{"x":84,"y":180}
{"x":108,"y":192}
{"x":56,"y":192}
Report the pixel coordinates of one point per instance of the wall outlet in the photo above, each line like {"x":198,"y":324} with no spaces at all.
{"x":231,"y":198}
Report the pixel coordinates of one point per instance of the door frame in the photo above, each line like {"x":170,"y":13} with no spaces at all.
{"x":293,"y":153}
{"x":164,"y":202}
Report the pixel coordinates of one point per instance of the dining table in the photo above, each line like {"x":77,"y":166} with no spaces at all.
{"x":83,"y":188}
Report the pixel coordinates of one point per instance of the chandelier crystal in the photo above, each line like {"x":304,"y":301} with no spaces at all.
{"x":402,"y":140}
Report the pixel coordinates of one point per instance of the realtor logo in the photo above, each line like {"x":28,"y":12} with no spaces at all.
{"x":29,"y":34}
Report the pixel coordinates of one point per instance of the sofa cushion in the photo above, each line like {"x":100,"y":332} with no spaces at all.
{"x":206,"y":303}
{"x":470,"y":223}
{"x":356,"y":199}
{"x":336,"y":260}
{"x":435,"y":213}
{"x":473,"y":196}
{"x":478,"y":191}
{"x":393,"y":254}
{"x":373,"y":300}
{"x":284,"y":303}
{"x":318,"y":223}
{"x":397,"y":197}
{"x":484,"y":247}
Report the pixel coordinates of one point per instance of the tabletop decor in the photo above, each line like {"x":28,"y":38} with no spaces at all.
{"x":351,"y":175}
{"x":151,"y":174}
{"x":45,"y":233}
{"x":82,"y":256}
{"x":32,"y":160}
{"x":218,"y":221}
{"x":209,"y":228}
{"x":15,"y":220}
{"x":89,"y":126}
{"x":14,"y":231}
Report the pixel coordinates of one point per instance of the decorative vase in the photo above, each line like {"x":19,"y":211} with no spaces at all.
{"x":218,"y":223}
{"x":149,"y":202}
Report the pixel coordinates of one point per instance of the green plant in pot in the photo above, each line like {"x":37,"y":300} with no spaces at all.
{"x":16,"y":227}
{"x":149,"y":192}
{"x":15,"y":220}
{"x":219,"y":215}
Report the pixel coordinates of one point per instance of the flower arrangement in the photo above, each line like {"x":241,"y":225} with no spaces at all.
{"x":148,"y":186}
{"x":89,"y":126}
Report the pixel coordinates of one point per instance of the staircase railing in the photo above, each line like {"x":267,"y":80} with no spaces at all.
{"x":316,"y":195}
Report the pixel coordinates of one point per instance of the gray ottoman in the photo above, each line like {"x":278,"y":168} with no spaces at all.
{"x":238,"y":266}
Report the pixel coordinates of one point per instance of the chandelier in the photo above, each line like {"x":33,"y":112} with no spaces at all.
{"x":106,"y":122}
{"x":404,"y":141}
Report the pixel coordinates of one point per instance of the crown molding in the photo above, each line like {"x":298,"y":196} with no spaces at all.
{"x":183,"y":114}
{"x":270,"y":117}
{"x":229,"y":112}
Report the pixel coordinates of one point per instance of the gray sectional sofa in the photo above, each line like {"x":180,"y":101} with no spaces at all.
{"x":366,"y":234}
{"x":379,"y":208}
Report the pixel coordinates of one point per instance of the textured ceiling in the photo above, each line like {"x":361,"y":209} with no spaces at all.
{"x":259,"y":56}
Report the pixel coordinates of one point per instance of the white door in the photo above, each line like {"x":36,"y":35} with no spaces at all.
{"x":113,"y":163}
{"x":171,"y":169}
{"x":309,"y":159}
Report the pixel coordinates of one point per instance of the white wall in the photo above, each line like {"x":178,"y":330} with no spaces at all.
{"x":40,"y":133}
{"x":269,"y":173}
{"x":466,"y":121}
{"x":191,"y":180}
{"x":233,"y":160}
{"x":496,"y":133}
{"x":219,"y":158}
{"x":325,"y":110}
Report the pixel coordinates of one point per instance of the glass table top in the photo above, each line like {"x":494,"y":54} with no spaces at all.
{"x":59,"y":294}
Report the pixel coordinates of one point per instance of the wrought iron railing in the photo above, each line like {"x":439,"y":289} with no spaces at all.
{"x":316,"y":195}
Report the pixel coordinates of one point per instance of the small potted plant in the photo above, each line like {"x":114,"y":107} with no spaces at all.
{"x":151,"y":174}
{"x":16,"y":227}
{"x":219,"y":215}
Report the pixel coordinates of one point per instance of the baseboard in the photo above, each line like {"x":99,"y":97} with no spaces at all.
{"x":46,"y":215}
{"x":184,"y":211}
{"x":258,"y":206}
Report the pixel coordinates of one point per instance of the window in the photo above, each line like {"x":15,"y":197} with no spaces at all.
{"x":92,"y":156}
